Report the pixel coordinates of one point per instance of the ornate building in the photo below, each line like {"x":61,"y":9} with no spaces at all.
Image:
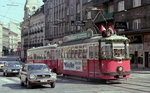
{"x":65,"y":17}
{"x":32,"y":27}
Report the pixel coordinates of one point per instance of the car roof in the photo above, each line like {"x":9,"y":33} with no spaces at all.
{"x":12,"y":61}
{"x":35,"y":64}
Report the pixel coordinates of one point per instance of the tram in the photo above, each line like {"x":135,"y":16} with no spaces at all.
{"x":46,"y":55}
{"x":84,"y":55}
{"x":101,"y":57}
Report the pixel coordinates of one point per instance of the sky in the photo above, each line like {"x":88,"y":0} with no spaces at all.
{"x":12,"y":10}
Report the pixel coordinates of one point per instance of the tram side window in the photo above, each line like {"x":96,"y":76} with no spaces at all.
{"x":80,"y":52}
{"x":96,"y":51}
{"x":72,"y":52}
{"x":48,"y":55}
{"x":35,"y":56}
{"x":76,"y":52}
{"x":91,"y":52}
{"x":84,"y":52}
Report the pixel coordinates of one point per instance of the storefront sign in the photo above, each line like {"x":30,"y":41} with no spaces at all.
{"x":78,"y":36}
{"x":74,"y":65}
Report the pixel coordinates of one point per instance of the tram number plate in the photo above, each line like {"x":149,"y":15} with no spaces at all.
{"x":120,"y":76}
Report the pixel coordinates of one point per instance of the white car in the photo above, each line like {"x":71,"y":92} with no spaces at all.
{"x":37,"y":74}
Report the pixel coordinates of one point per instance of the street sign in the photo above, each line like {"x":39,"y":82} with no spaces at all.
{"x":77,"y":23}
{"x":120,"y":25}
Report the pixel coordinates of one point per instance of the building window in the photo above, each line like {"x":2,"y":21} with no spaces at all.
{"x":88,"y":0}
{"x":136,"y":3}
{"x":110,"y":8}
{"x":136,"y":24}
{"x":121,"y":6}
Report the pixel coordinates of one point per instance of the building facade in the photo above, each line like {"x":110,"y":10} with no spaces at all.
{"x":33,"y":26}
{"x":9,"y":40}
{"x":136,"y":15}
{"x":65,"y":17}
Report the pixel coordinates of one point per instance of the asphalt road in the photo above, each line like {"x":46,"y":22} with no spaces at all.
{"x":138,"y":83}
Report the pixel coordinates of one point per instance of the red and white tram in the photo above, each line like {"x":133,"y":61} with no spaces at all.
{"x":96,"y":57}
{"x":46,"y":54}
{"x":90,"y":57}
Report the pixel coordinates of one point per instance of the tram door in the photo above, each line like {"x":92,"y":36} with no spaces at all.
{"x":91,"y":62}
{"x":96,"y":61}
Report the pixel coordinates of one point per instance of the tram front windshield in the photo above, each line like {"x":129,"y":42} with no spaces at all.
{"x":119,"y":50}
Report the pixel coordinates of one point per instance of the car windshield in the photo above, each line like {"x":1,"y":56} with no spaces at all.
{"x":13,"y":64}
{"x":38,"y":67}
{"x":1,"y":62}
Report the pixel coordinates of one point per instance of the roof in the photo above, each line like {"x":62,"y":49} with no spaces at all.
{"x":40,"y":10}
{"x":44,"y":47}
{"x":90,"y":40}
{"x":35,"y":64}
{"x":115,"y":37}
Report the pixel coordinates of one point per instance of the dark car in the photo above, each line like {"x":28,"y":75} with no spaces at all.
{"x":11,"y":67}
{"x":37,"y":74}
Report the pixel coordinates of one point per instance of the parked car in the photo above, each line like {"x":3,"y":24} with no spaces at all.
{"x":11,"y":67}
{"x":37,"y":74}
{"x":1,"y":65}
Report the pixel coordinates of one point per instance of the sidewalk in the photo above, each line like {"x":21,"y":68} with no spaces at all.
{"x":141,"y":71}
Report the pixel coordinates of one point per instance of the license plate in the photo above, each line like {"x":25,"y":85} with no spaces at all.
{"x":120,"y":76}
{"x":43,"y":80}
{"x":15,"y":71}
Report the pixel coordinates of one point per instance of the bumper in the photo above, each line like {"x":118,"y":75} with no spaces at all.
{"x":13,"y":72}
{"x":41,"y":81}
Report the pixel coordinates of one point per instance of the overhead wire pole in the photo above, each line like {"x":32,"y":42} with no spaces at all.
{"x":99,"y":12}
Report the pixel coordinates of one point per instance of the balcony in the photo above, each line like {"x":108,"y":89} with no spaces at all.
{"x":107,"y":16}
{"x":97,"y":2}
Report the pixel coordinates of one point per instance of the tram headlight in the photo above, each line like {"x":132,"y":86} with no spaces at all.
{"x":120,"y":69}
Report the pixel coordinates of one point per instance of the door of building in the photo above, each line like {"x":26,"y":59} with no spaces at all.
{"x":146,"y":59}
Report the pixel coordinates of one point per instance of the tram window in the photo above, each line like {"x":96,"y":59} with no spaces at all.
{"x":48,"y":54}
{"x":35,"y":57}
{"x":91,"y":51}
{"x":76,"y":52}
{"x":119,"y":53}
{"x":84,"y":52}
{"x":72,"y":52}
{"x":119,"y":49}
{"x":96,"y":52}
{"x":61,"y":53}
{"x":106,"y":51}
{"x":80,"y":52}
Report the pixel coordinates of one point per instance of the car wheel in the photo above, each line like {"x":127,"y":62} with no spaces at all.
{"x":28,"y":84}
{"x":3,"y":73}
{"x":6,"y":74}
{"x":21,"y":83}
{"x":52,"y":84}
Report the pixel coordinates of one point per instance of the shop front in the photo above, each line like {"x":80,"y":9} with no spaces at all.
{"x":147,"y":51}
{"x":136,"y":51}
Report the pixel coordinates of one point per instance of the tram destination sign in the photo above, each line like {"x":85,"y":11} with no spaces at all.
{"x":78,"y":36}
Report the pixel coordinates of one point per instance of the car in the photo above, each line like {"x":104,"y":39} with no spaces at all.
{"x":11,"y":67}
{"x":1,"y":65}
{"x":33,"y":74}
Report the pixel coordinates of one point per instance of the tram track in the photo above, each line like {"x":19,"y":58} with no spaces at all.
{"x":133,"y":86}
